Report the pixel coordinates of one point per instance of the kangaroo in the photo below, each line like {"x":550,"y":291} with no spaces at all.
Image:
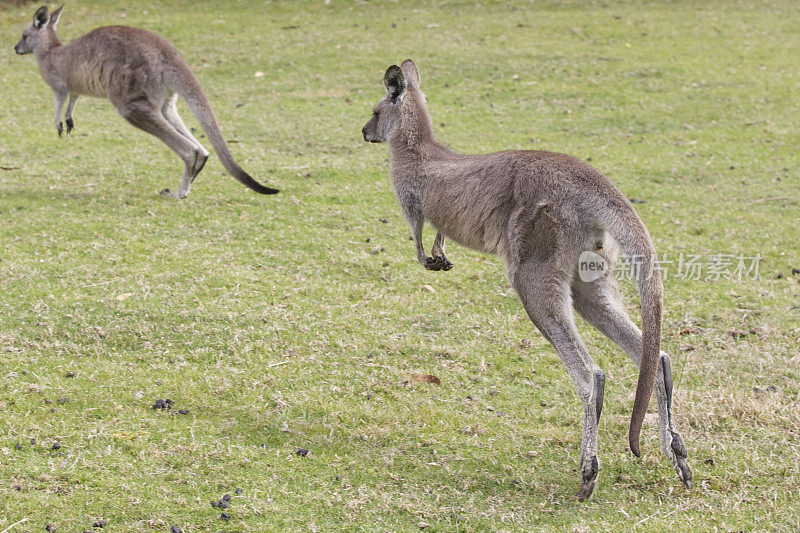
{"x":539,"y":211}
{"x":142,"y":75}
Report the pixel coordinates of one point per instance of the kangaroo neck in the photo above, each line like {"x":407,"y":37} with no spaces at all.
{"x":417,"y":152}
{"x":48,"y":49}
{"x":404,"y":149}
{"x":414,"y":133}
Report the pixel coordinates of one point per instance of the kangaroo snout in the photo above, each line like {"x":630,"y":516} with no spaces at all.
{"x":367,"y":137}
{"x":21,"y":49}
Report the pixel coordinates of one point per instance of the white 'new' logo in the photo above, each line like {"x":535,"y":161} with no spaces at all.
{"x":591,"y":266}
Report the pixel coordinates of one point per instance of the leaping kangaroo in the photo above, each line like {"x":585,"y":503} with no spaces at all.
{"x":142,"y":74}
{"x":539,"y":211}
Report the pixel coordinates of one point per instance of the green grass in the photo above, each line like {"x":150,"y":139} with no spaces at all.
{"x":278,"y":326}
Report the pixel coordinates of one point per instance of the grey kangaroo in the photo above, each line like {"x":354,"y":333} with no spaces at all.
{"x":142,"y":75}
{"x":539,"y":211}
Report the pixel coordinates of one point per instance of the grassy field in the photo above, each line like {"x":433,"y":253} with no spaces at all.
{"x":298,"y":321}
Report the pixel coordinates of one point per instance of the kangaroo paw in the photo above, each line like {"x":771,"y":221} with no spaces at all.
{"x":438,"y":263}
{"x":60,"y":128}
{"x":70,"y":126}
{"x":432,"y":264}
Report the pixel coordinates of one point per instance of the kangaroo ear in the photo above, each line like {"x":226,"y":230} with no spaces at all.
{"x":411,"y":72}
{"x":41,"y":17}
{"x":54,"y":16}
{"x":395,"y":82}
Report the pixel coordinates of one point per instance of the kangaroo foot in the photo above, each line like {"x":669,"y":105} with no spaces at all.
{"x":70,"y":126}
{"x":589,"y":472}
{"x":199,"y":162}
{"x":60,"y":128}
{"x":679,"y":461}
{"x":167,"y":192}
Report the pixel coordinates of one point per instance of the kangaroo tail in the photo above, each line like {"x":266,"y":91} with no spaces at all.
{"x":624,"y":224}
{"x":189,"y":89}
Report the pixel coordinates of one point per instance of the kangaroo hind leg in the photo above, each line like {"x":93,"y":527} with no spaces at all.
{"x":148,"y":118}
{"x":170,"y":112}
{"x":544,"y":290}
{"x":600,"y":303}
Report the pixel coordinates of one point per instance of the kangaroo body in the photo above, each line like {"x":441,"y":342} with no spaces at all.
{"x":141,"y":74}
{"x":539,"y":211}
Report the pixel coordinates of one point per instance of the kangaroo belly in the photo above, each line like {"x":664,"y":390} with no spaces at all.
{"x":477,"y":229}
{"x":90,"y":78}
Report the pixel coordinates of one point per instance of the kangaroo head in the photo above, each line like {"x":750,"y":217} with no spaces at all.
{"x":41,"y":33}
{"x":403,"y":100}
